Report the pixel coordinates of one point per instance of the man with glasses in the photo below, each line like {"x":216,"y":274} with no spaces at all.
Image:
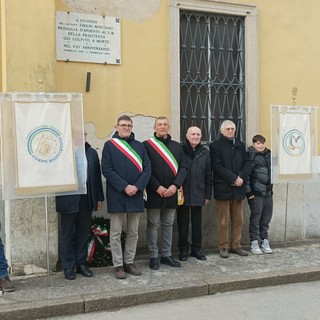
{"x":230,"y":172}
{"x":126,"y":167}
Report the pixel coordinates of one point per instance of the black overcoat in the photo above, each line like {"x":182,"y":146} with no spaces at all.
{"x":162,"y":175}
{"x":229,"y":160}
{"x":70,"y":203}
{"x":198,"y":185}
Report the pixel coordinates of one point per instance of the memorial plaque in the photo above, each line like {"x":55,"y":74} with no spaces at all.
{"x":88,"y":38}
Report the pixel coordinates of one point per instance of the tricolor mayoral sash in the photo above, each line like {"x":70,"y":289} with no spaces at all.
{"x":165,"y":154}
{"x":127,"y":150}
{"x":171,"y":161}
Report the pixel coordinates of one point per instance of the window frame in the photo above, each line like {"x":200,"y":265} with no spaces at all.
{"x":250,"y":12}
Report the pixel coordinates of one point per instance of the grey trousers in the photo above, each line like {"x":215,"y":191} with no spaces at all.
{"x":157,"y":218}
{"x":129,"y":223}
{"x":260,"y":217}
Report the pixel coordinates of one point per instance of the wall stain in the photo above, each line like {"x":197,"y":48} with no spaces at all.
{"x":136,"y":10}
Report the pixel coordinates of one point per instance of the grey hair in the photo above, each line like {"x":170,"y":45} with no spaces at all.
{"x":160,"y":118}
{"x":225,"y":123}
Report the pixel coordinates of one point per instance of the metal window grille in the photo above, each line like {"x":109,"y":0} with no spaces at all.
{"x":212,"y":73}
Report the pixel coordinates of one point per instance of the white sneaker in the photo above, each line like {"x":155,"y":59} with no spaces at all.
{"x":265,"y":247}
{"x":255,"y":247}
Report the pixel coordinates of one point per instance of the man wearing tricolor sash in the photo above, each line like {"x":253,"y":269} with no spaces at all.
{"x":126,"y":167}
{"x":168,"y":174}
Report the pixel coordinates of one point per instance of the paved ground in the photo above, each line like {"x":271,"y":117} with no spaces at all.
{"x":43,"y":296}
{"x":251,"y":304}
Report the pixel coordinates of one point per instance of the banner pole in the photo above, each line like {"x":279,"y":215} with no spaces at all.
{"x":286,"y":216}
{"x":47,"y":241}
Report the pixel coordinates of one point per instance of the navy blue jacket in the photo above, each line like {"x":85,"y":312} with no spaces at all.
{"x":120,"y":171}
{"x":70,"y":203}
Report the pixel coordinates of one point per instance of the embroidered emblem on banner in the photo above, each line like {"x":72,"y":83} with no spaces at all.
{"x":294,"y":143}
{"x":45,"y":144}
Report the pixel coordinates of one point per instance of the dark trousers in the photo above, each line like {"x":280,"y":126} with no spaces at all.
{"x":3,"y":262}
{"x":260,"y":217}
{"x":75,"y":232}
{"x":183,"y":214}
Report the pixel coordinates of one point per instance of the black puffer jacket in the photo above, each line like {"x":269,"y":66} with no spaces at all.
{"x":229,"y":160}
{"x":198,"y":185}
{"x":259,"y":183}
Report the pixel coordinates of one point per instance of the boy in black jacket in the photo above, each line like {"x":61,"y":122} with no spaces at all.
{"x":259,"y":195}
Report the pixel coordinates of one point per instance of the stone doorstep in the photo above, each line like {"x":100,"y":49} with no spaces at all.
{"x":110,"y":301}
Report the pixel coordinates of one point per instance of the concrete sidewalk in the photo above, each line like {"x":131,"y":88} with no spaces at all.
{"x":43,"y":296}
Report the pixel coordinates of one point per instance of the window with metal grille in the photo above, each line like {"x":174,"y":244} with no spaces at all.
{"x":212,"y":75}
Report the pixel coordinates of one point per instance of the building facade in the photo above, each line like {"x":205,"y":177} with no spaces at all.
{"x":195,"y":61}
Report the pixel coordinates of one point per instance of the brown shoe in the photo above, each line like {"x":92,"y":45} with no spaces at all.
{"x":6,"y":285}
{"x":132,"y":269}
{"x":119,"y":272}
{"x":239,"y":251}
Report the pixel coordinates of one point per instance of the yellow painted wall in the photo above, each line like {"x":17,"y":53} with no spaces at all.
{"x":1,"y":44}
{"x":30,"y":45}
{"x":289,"y":53}
{"x":139,"y":85}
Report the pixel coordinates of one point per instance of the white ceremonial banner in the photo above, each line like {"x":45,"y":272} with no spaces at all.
{"x":295,"y":155}
{"x":45,"y":153}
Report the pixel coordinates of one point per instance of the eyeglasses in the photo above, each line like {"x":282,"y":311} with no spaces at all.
{"x":125,"y":125}
{"x":230,"y":129}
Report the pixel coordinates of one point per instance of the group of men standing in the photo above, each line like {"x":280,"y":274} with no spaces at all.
{"x":149,"y":175}
{"x":153,"y":174}
{"x":142,"y":175}
{"x":165,"y":177}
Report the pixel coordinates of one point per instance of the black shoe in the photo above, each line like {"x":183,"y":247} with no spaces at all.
{"x":183,"y":256}
{"x":154,"y":264}
{"x":84,"y":270}
{"x":170,"y":262}
{"x":69,"y":274}
{"x":198,"y":254}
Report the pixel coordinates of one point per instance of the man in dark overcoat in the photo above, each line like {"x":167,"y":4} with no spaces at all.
{"x":197,"y":189}
{"x":126,"y":167}
{"x":76,"y":219}
{"x":230,"y":172}
{"x":168,"y":174}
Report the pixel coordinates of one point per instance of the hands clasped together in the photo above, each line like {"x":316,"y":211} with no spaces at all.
{"x":167,"y":192}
